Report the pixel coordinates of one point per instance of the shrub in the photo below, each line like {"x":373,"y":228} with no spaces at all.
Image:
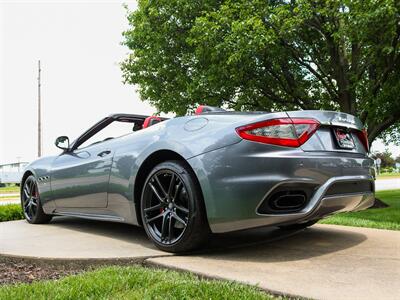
{"x":387,"y":170}
{"x":10,"y":212}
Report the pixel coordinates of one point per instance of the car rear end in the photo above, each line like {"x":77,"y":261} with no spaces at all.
{"x":288,"y":168}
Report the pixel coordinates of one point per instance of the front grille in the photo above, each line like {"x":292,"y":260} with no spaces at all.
{"x":350,"y":187}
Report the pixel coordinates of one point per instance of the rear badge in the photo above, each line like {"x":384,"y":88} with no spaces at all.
{"x":344,"y":138}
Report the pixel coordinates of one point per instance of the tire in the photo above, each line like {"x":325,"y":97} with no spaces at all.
{"x":299,"y":226}
{"x":172,"y":208}
{"x":30,"y":202}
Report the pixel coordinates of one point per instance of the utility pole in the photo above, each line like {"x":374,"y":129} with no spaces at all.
{"x":39,"y":114}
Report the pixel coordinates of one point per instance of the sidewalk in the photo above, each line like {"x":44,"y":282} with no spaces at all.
{"x":4,"y":201}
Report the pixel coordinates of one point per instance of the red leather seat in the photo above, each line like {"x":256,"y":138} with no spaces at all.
{"x":151,"y":121}
{"x":205,"y":108}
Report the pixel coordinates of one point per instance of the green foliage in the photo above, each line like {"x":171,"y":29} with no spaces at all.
{"x":386,"y":158}
{"x":388,"y":170}
{"x":132,"y":283}
{"x":269,"y":55}
{"x":381,"y":218}
{"x":10,"y":212}
{"x":388,"y":176}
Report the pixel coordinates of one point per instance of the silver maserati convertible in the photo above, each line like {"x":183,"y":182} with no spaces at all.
{"x":214,"y":171}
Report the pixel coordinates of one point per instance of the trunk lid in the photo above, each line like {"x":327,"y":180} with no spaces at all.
{"x":339,"y":132}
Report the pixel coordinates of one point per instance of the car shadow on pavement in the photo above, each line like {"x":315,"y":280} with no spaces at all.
{"x":259,"y":244}
{"x":276,"y":245}
{"x":113,"y":230}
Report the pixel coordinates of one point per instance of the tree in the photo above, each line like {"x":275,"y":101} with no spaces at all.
{"x":270,"y":55}
{"x":386,"y":158}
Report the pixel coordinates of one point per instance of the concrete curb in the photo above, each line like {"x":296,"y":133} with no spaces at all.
{"x":201,"y":275}
{"x":72,"y":262}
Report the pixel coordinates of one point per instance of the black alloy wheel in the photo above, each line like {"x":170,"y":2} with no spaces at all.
{"x":30,"y":202}
{"x":172,"y":208}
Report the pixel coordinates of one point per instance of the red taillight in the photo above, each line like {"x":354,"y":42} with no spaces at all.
{"x":283,"y":132}
{"x":363,"y":137}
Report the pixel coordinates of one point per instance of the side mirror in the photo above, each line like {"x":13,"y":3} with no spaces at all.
{"x":62,"y":142}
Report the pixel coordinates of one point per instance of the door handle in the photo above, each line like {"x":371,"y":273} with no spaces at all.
{"x":104,"y":153}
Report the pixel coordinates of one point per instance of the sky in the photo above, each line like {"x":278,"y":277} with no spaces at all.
{"x":79,"y":45}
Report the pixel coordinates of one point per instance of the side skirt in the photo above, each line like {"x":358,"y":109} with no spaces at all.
{"x":99,"y":217}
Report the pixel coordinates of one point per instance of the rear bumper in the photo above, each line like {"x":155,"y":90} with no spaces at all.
{"x":235,"y":181}
{"x":322,"y":205}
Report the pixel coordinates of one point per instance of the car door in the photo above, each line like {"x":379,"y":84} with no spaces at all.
{"x":80,"y":177}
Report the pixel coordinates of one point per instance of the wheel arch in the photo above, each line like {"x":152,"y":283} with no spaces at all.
{"x":148,"y":164}
{"x":27,"y":173}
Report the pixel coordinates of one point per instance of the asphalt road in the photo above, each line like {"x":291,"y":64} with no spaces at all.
{"x":387,"y":184}
{"x":9,"y":195}
{"x":322,"y":262}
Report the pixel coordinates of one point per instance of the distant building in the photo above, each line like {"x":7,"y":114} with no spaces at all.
{"x":12,"y":173}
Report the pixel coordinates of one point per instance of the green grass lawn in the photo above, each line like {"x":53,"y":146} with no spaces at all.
{"x":9,"y":189}
{"x":133,"y":282}
{"x":381,"y":218}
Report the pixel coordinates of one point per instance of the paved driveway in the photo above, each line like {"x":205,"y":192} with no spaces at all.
{"x":70,"y":238}
{"x":324,"y":262}
{"x":9,"y":198}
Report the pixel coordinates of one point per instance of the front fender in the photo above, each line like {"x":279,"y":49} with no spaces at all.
{"x":41,"y":169}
